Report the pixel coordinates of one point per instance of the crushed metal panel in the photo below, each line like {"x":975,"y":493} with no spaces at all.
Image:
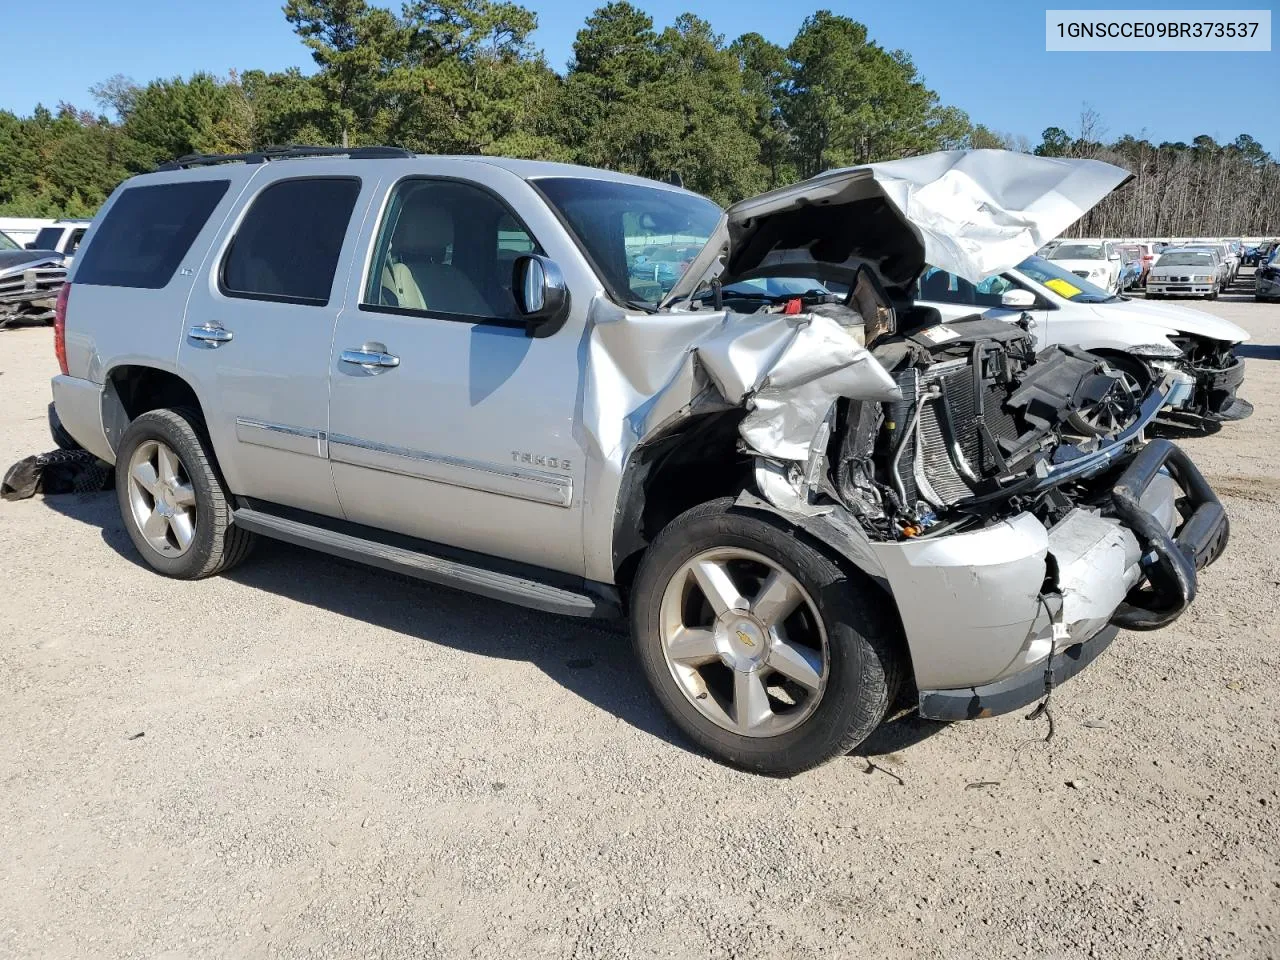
{"x":981,"y":212}
{"x":645,"y":371}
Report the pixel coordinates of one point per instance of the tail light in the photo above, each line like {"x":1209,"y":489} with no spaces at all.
{"x":60,"y":327}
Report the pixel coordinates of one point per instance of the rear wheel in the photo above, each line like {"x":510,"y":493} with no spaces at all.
{"x":174,"y":504}
{"x":759,"y":647}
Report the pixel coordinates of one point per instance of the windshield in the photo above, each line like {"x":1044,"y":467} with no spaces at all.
{"x":639,"y":239}
{"x":777,"y":288}
{"x":1077,"y":251}
{"x":1063,"y":282}
{"x":7,"y":242}
{"x":1185,"y":260}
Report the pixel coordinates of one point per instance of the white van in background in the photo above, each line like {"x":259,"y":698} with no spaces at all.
{"x":62,"y":236}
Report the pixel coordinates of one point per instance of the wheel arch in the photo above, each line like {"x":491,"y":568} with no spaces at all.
{"x":694,"y":461}
{"x":129,"y":390}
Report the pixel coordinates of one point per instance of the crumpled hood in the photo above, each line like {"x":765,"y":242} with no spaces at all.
{"x":971,"y":212}
{"x":1180,"y":319}
{"x":14,"y":260}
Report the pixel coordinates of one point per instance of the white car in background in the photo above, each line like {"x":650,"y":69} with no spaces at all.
{"x":1097,"y":261}
{"x":1145,"y":340}
{"x":1187,"y":272}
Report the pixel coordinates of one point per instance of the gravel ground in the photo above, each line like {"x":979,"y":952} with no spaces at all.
{"x":311,"y":759}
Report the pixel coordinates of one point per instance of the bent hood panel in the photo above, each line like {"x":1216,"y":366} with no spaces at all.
{"x":971,"y":212}
{"x":1181,"y":319}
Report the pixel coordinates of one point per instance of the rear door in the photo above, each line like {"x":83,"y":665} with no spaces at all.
{"x":260,"y":323}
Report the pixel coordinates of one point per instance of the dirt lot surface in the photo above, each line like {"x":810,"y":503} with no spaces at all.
{"x":307,"y":758}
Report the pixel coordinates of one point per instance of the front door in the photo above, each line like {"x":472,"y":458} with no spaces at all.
{"x":260,"y":325}
{"x":447,"y":422}
{"x":955,"y":297}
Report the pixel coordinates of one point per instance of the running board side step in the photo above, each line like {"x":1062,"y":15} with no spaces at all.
{"x":506,"y":587}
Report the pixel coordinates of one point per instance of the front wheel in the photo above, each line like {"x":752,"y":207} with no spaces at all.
{"x":758,"y":646}
{"x":172,"y":499}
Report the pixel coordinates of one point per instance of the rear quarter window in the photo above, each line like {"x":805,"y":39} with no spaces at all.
{"x":147,"y":232}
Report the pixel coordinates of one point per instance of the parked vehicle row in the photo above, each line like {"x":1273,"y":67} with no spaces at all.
{"x":1267,"y":278}
{"x":806,"y":472}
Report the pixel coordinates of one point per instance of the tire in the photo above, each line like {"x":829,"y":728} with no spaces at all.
{"x":214,"y":544}
{"x":862,"y":659}
{"x":58,"y":432}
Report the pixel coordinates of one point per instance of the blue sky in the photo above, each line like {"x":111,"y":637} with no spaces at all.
{"x":988,"y":59}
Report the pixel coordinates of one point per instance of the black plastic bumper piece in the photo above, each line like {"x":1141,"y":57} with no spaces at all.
{"x":1171,"y":561}
{"x":1004,"y":696}
{"x":1218,"y":393}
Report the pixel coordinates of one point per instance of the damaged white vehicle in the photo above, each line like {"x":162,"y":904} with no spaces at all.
{"x":29,"y":283}
{"x":805,"y":491}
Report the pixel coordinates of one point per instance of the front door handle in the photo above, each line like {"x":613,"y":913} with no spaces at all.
{"x":211,"y":333}
{"x":370,"y":355}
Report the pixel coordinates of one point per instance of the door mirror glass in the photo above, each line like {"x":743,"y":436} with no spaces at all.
{"x":532,"y":290}
{"x":540,"y":293}
{"x":1018,"y":299}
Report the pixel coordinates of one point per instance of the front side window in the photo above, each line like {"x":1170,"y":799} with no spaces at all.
{"x":447,"y":249}
{"x":288,"y":244}
{"x":639,"y":239}
{"x":147,"y":232}
{"x":942,"y":287}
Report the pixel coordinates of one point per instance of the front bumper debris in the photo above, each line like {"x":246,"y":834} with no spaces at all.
{"x":30,"y":293}
{"x":1135,"y":571}
{"x":1170,"y":560}
{"x":1217,"y":391}
{"x":1011,"y":693}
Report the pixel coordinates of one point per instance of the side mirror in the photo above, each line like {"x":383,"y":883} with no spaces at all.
{"x":29,"y":246}
{"x":1114,"y":256}
{"x":540,"y":294}
{"x":1018,"y":299}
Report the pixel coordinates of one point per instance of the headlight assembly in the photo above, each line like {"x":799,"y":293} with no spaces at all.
{"x":1155,"y":350}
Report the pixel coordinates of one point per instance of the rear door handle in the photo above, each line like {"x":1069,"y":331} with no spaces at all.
{"x":210,"y":333}
{"x":370,"y":355}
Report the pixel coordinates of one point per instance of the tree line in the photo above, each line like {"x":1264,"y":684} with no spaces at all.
{"x":725,"y":118}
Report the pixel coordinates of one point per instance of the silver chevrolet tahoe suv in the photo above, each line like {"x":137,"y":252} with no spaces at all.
{"x":603,"y":396}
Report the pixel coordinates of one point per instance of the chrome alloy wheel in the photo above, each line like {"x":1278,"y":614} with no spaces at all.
{"x":744,"y":642}
{"x":162,"y":498}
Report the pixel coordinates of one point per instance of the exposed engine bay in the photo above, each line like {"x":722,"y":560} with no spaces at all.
{"x":982,"y":421}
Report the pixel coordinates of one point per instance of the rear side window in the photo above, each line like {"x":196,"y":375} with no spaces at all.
{"x":47,"y":238}
{"x":147,"y":232}
{"x":288,"y":244}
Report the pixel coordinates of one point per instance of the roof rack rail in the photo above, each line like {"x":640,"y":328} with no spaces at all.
{"x":285,"y":153}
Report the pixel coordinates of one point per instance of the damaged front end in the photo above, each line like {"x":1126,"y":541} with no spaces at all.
{"x":1001,"y":495}
{"x":29,"y":285}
